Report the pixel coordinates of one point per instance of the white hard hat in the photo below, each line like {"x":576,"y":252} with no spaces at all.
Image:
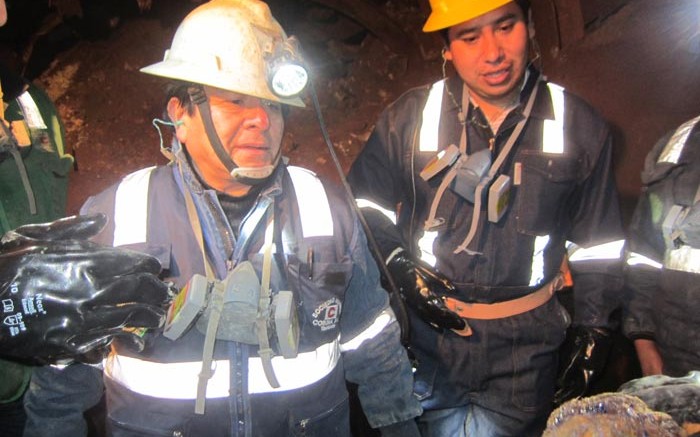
{"x":226,"y":44}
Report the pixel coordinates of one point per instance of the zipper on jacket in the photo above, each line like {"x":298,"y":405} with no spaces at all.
{"x":147,"y":431}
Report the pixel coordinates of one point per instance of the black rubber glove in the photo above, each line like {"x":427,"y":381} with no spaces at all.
{"x":584,"y":355}
{"x":64,"y":297}
{"x":423,"y":289}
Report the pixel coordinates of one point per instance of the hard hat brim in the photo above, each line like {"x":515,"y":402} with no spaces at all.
{"x":184,"y":71}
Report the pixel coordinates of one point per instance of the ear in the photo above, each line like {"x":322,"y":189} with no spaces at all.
{"x":446,"y":53}
{"x":176,"y":113}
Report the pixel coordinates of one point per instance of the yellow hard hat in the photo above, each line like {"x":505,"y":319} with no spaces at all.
{"x":447,"y":13}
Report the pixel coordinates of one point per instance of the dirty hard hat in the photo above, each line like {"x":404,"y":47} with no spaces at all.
{"x":227,"y":44}
{"x":447,"y":13}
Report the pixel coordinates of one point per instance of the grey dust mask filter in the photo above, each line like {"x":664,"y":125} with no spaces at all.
{"x":240,"y":311}
{"x":470,"y":170}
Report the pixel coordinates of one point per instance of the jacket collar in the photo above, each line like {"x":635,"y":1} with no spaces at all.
{"x":542,"y":108}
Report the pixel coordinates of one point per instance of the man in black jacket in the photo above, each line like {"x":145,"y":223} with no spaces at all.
{"x":494,"y":177}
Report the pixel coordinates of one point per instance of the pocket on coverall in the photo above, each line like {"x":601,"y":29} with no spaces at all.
{"x":547,"y":181}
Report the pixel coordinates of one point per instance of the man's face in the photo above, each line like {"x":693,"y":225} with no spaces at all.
{"x":249,"y":128}
{"x":490,"y":53}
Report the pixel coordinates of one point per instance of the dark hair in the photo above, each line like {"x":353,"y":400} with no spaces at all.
{"x":524,"y":6}
{"x":179,"y":90}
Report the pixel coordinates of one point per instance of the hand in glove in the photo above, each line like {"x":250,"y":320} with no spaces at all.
{"x":584,"y":354}
{"x":64,"y":296}
{"x":423,"y":288}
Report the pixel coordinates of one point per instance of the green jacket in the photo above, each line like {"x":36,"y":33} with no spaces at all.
{"x":47,"y":167}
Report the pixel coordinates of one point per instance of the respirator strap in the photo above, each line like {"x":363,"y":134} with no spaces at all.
{"x":432,"y":223}
{"x":265,"y":351}
{"x":216,"y":304}
{"x":493,"y":170}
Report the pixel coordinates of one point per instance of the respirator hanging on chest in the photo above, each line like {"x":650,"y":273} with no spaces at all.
{"x":469,"y":172}
{"x":242,"y":306}
{"x":466,"y":173}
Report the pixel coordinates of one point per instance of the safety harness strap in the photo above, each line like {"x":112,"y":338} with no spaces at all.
{"x":513,"y":307}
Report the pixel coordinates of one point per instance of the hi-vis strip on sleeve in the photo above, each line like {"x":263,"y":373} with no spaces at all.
{"x":315,"y":212}
{"x":636,"y":259}
{"x":425,"y":244}
{"x":381,"y":322}
{"x":131,"y":208}
{"x":610,"y":250}
{"x":364,"y":203}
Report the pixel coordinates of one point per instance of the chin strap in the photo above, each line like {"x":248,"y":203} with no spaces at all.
{"x":245,"y":175}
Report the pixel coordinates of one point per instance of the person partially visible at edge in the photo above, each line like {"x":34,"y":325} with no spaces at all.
{"x":492,"y":177}
{"x":33,"y":187}
{"x":229,"y":209}
{"x":662,"y":313}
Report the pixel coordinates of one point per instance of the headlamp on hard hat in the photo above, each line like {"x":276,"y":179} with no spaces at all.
{"x":285,"y":71}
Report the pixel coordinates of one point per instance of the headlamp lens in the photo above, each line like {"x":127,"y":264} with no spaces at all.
{"x":289,"y":79}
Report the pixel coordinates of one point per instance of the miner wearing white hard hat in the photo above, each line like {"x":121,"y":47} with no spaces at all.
{"x":280,"y":302}
{"x":501,"y":176}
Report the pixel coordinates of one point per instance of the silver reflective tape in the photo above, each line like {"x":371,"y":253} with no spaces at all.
{"x":425,"y":244}
{"x":364,"y":203}
{"x":673,"y":149}
{"x":431,"y":118}
{"x":611,"y":250}
{"x":314,"y":210}
{"x":537,"y":267}
{"x":381,"y":322}
{"x":637,"y":259}
{"x":31,"y":112}
{"x":179,"y":380}
{"x":553,"y":130}
{"x":131,"y":208}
